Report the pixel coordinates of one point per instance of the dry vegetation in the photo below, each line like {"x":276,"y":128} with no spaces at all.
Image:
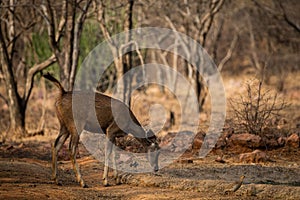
{"x":25,"y":165}
{"x":247,"y":39}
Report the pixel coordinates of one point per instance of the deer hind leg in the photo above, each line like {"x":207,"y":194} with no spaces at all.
{"x":60,"y":140}
{"x":73,"y":152}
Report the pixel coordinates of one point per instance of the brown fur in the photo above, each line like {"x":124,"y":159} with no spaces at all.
{"x":111,"y":125}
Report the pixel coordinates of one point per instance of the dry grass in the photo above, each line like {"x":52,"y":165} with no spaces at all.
{"x":142,"y":102}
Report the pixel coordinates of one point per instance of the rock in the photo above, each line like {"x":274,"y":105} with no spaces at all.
{"x":281,"y":141}
{"x":198,"y":140}
{"x":10,"y":147}
{"x":197,"y":143}
{"x":293,"y":141}
{"x":185,"y":161}
{"x":220,"y":159}
{"x":178,"y":142}
{"x":253,"y":157}
{"x":272,"y":143}
{"x":246,"y":140}
{"x":221,"y":143}
{"x":167,"y":139}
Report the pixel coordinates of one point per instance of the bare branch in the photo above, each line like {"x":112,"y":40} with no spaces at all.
{"x":33,"y":70}
{"x":288,"y":20}
{"x":257,"y":109}
{"x":77,"y":34}
{"x":229,"y":52}
{"x":253,"y":46}
{"x":277,"y":15}
{"x":4,"y":99}
{"x":206,"y":20}
{"x":101,"y":20}
{"x":214,"y":8}
{"x":48,"y":15}
{"x":180,"y":39}
{"x":62,"y":22}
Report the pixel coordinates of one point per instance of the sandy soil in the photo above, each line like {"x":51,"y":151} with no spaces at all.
{"x":25,"y":170}
{"x":25,"y":174}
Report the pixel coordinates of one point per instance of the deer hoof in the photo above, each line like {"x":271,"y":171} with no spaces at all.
{"x":118,"y":180}
{"x":105,"y":183}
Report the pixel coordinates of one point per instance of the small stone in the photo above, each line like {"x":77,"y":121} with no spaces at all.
{"x":293,"y":141}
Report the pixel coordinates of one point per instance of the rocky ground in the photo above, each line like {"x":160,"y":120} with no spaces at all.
{"x":25,"y":174}
{"x":269,"y":163}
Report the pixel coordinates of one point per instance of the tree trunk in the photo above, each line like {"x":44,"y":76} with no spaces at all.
{"x":70,"y":28}
{"x":127,"y":65}
{"x":16,"y":109}
{"x":16,"y":114}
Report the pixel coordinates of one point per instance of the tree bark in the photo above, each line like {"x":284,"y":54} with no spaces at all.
{"x":17,"y":102}
{"x":127,"y":65}
{"x":70,"y":28}
{"x":16,"y":113}
{"x":118,"y":61}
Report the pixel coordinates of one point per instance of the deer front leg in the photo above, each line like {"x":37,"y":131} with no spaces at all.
{"x":108,"y":151}
{"x":116,"y":175}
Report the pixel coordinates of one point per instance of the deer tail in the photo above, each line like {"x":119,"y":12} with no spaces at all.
{"x":55,"y":81}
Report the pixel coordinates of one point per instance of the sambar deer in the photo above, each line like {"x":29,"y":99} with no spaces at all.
{"x":109,"y":124}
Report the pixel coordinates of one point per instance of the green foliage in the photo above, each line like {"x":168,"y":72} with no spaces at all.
{"x":41,"y":45}
{"x":90,"y":38}
{"x":41,"y":51}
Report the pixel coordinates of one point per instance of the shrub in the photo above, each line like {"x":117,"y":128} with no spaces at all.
{"x":257,"y":109}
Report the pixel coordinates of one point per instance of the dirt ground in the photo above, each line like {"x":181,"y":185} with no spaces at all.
{"x":25,"y":173}
{"x":25,"y":170}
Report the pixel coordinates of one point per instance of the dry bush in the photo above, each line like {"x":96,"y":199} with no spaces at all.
{"x":256,"y":110}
